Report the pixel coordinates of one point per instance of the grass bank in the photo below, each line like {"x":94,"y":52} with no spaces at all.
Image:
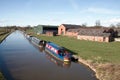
{"x":3,"y":36}
{"x":103,"y":58}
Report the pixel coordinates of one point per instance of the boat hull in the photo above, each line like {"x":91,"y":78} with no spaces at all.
{"x":54,"y":55}
{"x":57,"y":52}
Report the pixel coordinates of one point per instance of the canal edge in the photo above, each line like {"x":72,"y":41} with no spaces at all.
{"x":4,"y":37}
{"x":88,"y":64}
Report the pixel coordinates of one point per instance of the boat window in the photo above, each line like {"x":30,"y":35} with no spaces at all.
{"x":61,"y":52}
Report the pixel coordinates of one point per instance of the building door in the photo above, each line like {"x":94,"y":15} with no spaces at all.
{"x":104,"y":38}
{"x":62,"y":32}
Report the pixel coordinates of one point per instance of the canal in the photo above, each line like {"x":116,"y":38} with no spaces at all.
{"x":22,"y":60}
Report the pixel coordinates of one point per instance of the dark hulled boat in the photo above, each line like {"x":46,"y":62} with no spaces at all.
{"x":36,"y":41}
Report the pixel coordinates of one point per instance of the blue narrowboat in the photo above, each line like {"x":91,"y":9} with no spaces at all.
{"x":58,"y":52}
{"x":58,"y":62}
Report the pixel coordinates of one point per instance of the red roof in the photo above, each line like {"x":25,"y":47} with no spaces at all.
{"x":71,"y":26}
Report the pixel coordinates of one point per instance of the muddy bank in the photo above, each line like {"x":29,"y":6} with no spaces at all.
{"x":103,"y":71}
{"x":4,"y":36}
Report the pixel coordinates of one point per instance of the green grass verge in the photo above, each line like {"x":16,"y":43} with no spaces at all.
{"x":2,"y":37}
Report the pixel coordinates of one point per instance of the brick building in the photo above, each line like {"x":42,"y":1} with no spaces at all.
{"x":100,"y":34}
{"x":94,"y":35}
{"x":63,"y":28}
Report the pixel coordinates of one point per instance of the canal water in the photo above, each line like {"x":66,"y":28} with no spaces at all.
{"x":22,"y":60}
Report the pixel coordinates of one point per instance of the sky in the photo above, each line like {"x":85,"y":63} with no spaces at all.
{"x":56,"y":12}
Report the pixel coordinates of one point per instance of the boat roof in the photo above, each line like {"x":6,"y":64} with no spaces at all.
{"x":55,"y":45}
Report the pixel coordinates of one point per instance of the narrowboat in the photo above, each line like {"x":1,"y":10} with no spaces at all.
{"x":58,"y":52}
{"x":35,"y":40}
{"x":58,"y":62}
{"x":38,"y":42}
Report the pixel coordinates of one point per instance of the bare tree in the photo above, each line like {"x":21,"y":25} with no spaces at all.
{"x":97,"y":23}
{"x":112,"y":26}
{"x":118,"y":25}
{"x":84,"y":25}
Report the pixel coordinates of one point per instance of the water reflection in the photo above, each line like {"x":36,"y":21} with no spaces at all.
{"x":57,"y":62}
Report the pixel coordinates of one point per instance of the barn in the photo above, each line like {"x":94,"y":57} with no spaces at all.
{"x":94,"y":35}
{"x":63,"y":28}
{"x":42,"y":29}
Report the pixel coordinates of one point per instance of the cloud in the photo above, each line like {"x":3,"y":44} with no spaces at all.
{"x":3,"y":21}
{"x":57,"y":13}
{"x":115,"y":20}
{"x":108,"y":22}
{"x":112,"y":20}
{"x":101,"y":11}
{"x":74,"y":4}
